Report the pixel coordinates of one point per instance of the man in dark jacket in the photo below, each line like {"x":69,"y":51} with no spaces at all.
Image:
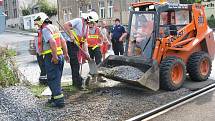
{"x":117,"y":36}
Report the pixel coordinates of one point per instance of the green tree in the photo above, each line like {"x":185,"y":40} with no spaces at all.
{"x":189,"y":1}
{"x":211,"y":21}
{"x":47,"y":8}
{"x":26,"y":11}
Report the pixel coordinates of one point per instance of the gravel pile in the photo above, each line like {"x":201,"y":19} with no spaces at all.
{"x":18,"y":104}
{"x":104,"y":104}
{"x":123,"y":72}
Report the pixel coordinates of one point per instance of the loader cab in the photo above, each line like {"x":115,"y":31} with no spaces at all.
{"x":151,"y":21}
{"x":141,"y":34}
{"x":142,"y":30}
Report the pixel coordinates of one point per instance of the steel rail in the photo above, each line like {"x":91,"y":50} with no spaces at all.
{"x":171,"y":105}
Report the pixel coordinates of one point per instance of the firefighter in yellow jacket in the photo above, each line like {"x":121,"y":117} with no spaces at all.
{"x":53,"y":47}
{"x":77,"y":28}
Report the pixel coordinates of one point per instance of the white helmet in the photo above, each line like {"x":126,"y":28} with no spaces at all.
{"x":40,"y":18}
{"x":93,"y":16}
{"x":85,"y":15}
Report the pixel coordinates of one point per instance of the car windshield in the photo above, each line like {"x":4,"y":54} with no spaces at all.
{"x":142,"y":26}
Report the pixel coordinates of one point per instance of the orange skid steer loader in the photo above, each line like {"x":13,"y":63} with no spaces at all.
{"x":166,"y":41}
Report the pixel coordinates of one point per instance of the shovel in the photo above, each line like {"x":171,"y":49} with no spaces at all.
{"x":91,"y":62}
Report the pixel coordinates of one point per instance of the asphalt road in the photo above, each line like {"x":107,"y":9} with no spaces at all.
{"x":200,"y":109}
{"x":27,"y":63}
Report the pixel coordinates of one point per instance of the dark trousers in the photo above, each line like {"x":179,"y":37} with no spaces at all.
{"x":43,"y":76}
{"x":95,"y":54}
{"x":118,"y":47}
{"x":41,"y":64}
{"x":75,"y":66}
{"x":54,"y":74}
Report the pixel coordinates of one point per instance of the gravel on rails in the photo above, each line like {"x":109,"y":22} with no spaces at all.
{"x":117,"y":103}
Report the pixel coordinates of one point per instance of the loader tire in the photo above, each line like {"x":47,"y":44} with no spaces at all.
{"x":172,"y":73}
{"x":199,"y":66}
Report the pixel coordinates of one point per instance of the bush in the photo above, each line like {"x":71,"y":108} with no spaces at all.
{"x":211,"y":22}
{"x":47,"y":8}
{"x":8,"y":72}
{"x":26,"y":11}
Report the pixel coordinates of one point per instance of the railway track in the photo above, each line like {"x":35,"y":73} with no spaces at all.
{"x":172,"y":105}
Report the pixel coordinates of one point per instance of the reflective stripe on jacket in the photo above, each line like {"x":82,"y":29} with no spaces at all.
{"x":93,"y":39}
{"x":56,"y":36}
{"x":78,"y":39}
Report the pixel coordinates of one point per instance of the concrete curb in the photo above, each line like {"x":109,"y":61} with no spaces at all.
{"x":21,"y":32}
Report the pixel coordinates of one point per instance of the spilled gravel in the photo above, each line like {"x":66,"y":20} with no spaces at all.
{"x":18,"y":104}
{"x":108,"y":103}
{"x":118,"y":103}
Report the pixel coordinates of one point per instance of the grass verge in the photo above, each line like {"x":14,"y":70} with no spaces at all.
{"x":38,"y":89}
{"x":8,"y":70}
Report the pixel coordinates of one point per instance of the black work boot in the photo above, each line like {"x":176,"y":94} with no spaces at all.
{"x":50,"y":100}
{"x":56,"y":103}
{"x":43,"y":80}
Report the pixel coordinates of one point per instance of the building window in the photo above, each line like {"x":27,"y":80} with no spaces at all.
{"x":5,"y":4}
{"x":70,"y":11}
{"x":102,"y":9}
{"x":80,"y":11}
{"x":89,"y":7}
{"x":65,"y":16}
{"x":14,"y":3}
{"x":110,"y":8}
{"x":15,"y":13}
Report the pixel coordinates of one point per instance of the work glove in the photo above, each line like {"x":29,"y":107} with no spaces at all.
{"x":54,"y":59}
{"x":66,"y":57}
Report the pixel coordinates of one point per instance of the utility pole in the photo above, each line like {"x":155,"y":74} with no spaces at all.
{"x":121,"y":10}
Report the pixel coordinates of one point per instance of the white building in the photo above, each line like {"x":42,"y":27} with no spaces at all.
{"x":28,"y":21}
{"x":13,"y":9}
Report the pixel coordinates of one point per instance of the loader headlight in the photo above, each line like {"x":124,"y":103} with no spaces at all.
{"x":151,"y":7}
{"x":137,"y":9}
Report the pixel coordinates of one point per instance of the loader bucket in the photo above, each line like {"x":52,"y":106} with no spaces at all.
{"x":148,"y":77}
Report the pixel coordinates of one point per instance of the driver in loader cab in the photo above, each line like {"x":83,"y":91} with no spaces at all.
{"x":142,"y":37}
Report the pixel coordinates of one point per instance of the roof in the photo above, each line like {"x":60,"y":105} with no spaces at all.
{"x":144,"y":3}
{"x":32,"y":15}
